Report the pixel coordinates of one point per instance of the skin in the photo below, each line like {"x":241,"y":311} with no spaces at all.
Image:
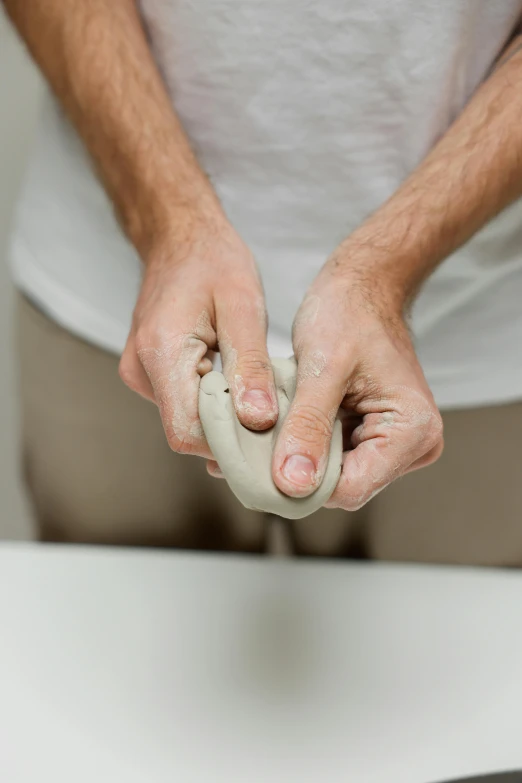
{"x":188,"y":306}
{"x":200,"y":285}
{"x":351,"y":336}
{"x":355,"y":314}
{"x":201,"y":290}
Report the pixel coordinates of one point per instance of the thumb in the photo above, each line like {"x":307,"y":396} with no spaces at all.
{"x":242,"y":343}
{"x":302,"y":448}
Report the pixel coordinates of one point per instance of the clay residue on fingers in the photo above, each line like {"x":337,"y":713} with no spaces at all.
{"x":173,"y":371}
{"x":386,"y":443}
{"x":361,"y":478}
{"x":183,"y":388}
{"x":311,"y":365}
{"x":245,"y":409}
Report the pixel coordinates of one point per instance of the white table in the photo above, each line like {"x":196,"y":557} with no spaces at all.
{"x":135,"y":667}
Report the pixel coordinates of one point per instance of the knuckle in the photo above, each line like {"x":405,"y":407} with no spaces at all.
{"x":177,"y":441}
{"x":183,"y":447}
{"x":253,"y":362}
{"x":356,"y":502}
{"x":353,"y":501}
{"x":309,"y":424}
{"x":143,"y":342}
{"x":435,"y":453}
{"x":433,"y":436}
{"x":349,"y":502}
{"x":151,"y":334}
{"x":127,"y":372}
{"x":183,"y":437}
{"x":153,"y":347}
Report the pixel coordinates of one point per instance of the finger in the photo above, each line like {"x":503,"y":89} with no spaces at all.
{"x":204,"y":367}
{"x":132,"y":373}
{"x":382,"y":453}
{"x":241,"y":327}
{"x":428,"y":459}
{"x":171,"y":358}
{"x":301,"y":452}
{"x":214,"y":470}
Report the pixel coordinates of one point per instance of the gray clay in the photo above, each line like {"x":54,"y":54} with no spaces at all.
{"x":245,"y":457}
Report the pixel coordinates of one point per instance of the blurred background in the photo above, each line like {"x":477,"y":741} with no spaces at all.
{"x":19,"y":97}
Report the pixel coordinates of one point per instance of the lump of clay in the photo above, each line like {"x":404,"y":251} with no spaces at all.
{"x":245,"y":457}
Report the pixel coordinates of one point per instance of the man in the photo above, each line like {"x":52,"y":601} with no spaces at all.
{"x":350,"y":148}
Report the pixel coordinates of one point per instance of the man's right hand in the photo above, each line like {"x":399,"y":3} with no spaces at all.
{"x":201,"y":292}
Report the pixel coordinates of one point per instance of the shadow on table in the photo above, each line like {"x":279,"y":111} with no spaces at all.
{"x":500,"y":777}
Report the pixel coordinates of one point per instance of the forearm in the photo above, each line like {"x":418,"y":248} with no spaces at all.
{"x":472,"y":173}
{"x":97,"y":60}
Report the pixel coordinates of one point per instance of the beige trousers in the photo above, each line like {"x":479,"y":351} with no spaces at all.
{"x":99,"y":470}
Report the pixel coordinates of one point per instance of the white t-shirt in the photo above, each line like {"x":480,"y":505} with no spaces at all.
{"x":307,"y":116}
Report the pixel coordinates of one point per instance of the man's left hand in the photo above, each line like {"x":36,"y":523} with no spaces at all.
{"x":355,"y":355}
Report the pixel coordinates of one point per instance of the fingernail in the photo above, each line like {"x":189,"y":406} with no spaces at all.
{"x":255,"y":398}
{"x":299,"y":470}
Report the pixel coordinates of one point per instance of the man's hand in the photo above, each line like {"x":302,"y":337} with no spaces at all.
{"x":201,"y":289}
{"x":350,"y":338}
{"x":201,"y":293}
{"x":354,"y":352}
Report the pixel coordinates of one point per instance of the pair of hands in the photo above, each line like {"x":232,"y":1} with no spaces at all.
{"x":202,"y":292}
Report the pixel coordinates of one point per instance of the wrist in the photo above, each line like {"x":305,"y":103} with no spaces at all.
{"x":171,"y":222}
{"x":386,"y":273}
{"x":370,"y":282}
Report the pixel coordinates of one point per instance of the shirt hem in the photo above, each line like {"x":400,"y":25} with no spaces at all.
{"x":63,"y":306}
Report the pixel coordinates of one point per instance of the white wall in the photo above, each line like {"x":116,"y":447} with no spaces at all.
{"x":19,"y":91}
